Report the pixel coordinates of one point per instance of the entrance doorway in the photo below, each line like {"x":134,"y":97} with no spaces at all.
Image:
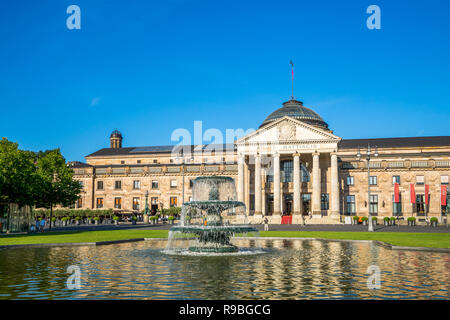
{"x":287,"y":205}
{"x":306,"y":201}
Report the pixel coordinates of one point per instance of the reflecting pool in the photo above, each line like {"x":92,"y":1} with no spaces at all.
{"x":288,"y":269}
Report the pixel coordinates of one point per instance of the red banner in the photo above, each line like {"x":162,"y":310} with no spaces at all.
{"x":412,"y":192}
{"x":427,"y":191}
{"x":396,"y":193}
{"x":444,"y":195}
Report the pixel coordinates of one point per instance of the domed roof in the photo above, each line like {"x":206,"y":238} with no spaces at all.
{"x":296,"y":110}
{"x":116,"y":134}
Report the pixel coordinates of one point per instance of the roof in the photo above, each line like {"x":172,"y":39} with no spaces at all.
{"x":78,"y":164}
{"x":409,"y":142}
{"x":160,"y":149}
{"x":295,"y":109}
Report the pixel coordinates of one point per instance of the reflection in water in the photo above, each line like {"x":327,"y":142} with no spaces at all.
{"x":290,"y":269}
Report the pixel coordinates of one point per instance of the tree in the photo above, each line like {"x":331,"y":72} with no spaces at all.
{"x":17,"y":175}
{"x":56,"y":184}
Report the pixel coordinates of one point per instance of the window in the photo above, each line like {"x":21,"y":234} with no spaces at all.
{"x":373,"y":180}
{"x":154,"y":200}
{"x":173,"y":201}
{"x":191,"y":183}
{"x":373,"y":206}
{"x":444,"y":179}
{"x":81,"y":184}
{"x":420,"y":204}
{"x":99,"y":185}
{"x":351,"y":205}
{"x":118,"y":185}
{"x":324,"y":201}
{"x":99,"y":203}
{"x":350,"y":180}
{"x":118,"y":203}
{"x":79,"y":203}
{"x":122,"y":162}
{"x":139,"y":161}
{"x":173,"y":183}
{"x":420,"y":180}
{"x":304,"y":174}
{"x":397,"y":206}
{"x":155,"y":184}
{"x":171,"y":160}
{"x":136,"y":184}
{"x":395,"y":179}
{"x":136,"y":204}
{"x":286,"y":168}
{"x":155,"y":161}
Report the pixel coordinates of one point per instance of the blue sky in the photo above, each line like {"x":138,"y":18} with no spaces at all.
{"x":150,"y":67}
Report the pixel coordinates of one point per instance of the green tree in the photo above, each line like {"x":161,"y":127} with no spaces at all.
{"x":17,"y":175}
{"x":56,"y":184}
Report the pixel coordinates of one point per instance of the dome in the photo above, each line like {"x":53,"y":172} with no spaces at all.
{"x":116,"y":134}
{"x":296,"y":110}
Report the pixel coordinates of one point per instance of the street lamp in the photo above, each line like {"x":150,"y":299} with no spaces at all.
{"x":146,"y":210}
{"x":368,"y":157}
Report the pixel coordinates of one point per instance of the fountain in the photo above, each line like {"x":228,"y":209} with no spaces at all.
{"x":212,"y":218}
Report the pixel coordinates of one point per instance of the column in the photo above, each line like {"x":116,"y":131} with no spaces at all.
{"x":241,"y":178}
{"x":297,"y":197}
{"x":316,"y":185}
{"x":334,"y":186}
{"x":263,"y":193}
{"x":257,"y":184}
{"x":276,"y":185}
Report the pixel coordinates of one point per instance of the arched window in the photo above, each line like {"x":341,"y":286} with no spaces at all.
{"x":304,"y":174}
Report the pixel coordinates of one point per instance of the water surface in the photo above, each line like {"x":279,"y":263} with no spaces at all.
{"x":289,"y":269}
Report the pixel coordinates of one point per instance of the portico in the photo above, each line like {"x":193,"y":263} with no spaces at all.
{"x":294,"y":168}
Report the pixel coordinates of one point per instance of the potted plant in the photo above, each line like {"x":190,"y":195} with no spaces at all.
{"x":386,"y":221}
{"x":393,"y":221}
{"x":355,"y":219}
{"x":53,"y":221}
{"x":187,"y":219}
{"x":374,"y":221}
{"x":411,"y":221}
{"x":434,"y":221}
{"x":171,"y":219}
{"x":116,"y":219}
{"x":96,"y":220}
{"x":364,"y":220}
{"x":77,"y":220}
{"x":154,"y":219}
{"x":133,"y":219}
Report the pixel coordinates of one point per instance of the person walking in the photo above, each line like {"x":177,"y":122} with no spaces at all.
{"x":266,"y":224}
{"x":42,"y":224}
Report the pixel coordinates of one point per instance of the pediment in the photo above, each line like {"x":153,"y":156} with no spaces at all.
{"x":287,"y":130}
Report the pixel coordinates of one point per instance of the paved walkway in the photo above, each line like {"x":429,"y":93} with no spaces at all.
{"x":272,"y":227}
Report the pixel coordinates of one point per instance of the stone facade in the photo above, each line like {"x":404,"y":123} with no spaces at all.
{"x":286,"y":167}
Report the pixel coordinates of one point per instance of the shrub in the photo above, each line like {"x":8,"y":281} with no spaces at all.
{"x":434,"y":219}
{"x":188,"y":218}
{"x":364,"y":218}
{"x":154,"y":218}
{"x":77,"y":218}
{"x":134,"y":218}
{"x":65,"y":218}
{"x":374,"y":219}
{"x":116,"y":218}
{"x":356,"y":218}
{"x":171,"y":218}
{"x":96,"y":218}
{"x":411,"y":219}
{"x":393,"y":218}
{"x":386,"y":219}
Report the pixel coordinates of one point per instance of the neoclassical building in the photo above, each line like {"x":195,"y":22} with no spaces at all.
{"x":292,"y":165}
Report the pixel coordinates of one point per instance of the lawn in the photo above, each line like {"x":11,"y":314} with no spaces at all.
{"x":431,"y":240}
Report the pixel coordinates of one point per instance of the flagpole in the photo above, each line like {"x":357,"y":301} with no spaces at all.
{"x":292,"y":70}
